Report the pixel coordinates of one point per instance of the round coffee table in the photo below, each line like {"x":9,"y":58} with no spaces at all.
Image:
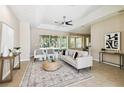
{"x":51,"y":66}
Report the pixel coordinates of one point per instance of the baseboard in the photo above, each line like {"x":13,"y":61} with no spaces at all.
{"x":24,"y":60}
{"x":97,"y":60}
{"x":23,"y":75}
{"x":111,"y":64}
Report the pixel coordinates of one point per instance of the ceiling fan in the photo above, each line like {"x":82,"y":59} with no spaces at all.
{"x":64,"y":22}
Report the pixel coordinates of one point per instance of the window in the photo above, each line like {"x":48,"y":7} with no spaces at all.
{"x":45,"y":41}
{"x":63,"y":42}
{"x":78,"y":42}
{"x":87,"y":41}
{"x":53,"y":41}
{"x":72,"y":42}
{"x":75,"y":42}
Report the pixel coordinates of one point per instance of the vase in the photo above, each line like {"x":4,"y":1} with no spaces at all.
{"x":17,"y":51}
{"x":5,"y":52}
{"x":10,"y":54}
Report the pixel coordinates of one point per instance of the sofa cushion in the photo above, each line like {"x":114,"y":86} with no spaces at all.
{"x":66,"y":52}
{"x":82,"y":53}
{"x":70,"y":53}
{"x":70,"y":60}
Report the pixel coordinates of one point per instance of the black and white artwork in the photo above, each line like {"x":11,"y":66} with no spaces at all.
{"x":112,"y":41}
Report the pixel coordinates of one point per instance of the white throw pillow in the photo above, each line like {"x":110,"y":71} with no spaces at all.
{"x":70,"y":53}
{"x":85,"y":53}
{"x":82,"y":53}
{"x":74,"y":54}
{"x":66,"y":52}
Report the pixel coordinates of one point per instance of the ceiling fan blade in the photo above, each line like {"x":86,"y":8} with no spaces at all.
{"x":69,"y":21}
{"x":69,"y":24}
{"x":64,"y":22}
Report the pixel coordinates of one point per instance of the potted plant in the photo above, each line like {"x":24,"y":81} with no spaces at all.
{"x":17,"y":49}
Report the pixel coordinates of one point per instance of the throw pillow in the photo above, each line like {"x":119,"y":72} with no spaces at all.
{"x":75,"y":55}
{"x":63,"y":52}
{"x":71,"y":53}
{"x":66,"y":52}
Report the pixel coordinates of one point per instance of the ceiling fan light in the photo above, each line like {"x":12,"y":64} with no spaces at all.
{"x":64,"y":17}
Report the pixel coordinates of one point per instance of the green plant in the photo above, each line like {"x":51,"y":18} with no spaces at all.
{"x":17,"y":48}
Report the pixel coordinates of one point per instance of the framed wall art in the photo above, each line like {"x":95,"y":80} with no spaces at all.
{"x":112,"y":41}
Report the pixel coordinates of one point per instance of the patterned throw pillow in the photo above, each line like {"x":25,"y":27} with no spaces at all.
{"x":63,"y":52}
{"x":75,"y":55}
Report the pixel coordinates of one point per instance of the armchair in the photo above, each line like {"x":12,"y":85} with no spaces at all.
{"x":39,"y":54}
{"x":50,"y":53}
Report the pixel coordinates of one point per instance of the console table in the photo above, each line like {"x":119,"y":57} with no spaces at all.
{"x":19,"y":66}
{"x":11,"y":60}
{"x":121,"y":56}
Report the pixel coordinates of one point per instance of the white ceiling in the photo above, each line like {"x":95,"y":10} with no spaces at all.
{"x":43,"y":16}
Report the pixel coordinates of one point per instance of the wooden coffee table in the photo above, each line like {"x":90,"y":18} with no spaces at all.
{"x":51,"y":66}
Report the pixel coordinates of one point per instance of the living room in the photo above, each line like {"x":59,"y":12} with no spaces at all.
{"x":60,"y":46}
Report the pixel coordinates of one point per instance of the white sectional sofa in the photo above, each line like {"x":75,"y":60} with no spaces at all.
{"x":83,"y":60}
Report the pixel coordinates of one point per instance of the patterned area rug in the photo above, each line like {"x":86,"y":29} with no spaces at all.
{"x":66,"y":75}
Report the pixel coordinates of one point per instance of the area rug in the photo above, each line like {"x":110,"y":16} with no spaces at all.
{"x":36,"y":76}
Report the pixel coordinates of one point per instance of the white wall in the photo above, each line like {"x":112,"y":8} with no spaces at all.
{"x":7,"y":38}
{"x":9,"y":18}
{"x":112,"y":24}
{"x":25,"y":41}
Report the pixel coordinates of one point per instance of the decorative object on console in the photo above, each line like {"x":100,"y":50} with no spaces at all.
{"x":112,"y":41}
{"x":17,"y":49}
{"x":5,"y":52}
{"x":10,"y":52}
{"x":103,"y":49}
